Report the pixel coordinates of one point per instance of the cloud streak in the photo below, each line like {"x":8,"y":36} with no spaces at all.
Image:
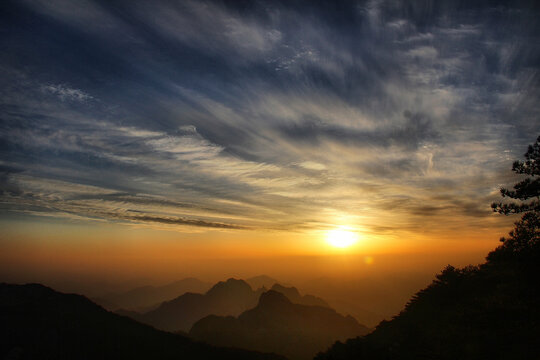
{"x":67,"y":93}
{"x":264,"y":115}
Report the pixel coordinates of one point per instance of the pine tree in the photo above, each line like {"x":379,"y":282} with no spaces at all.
{"x":524,"y":239}
{"x":526,"y":189}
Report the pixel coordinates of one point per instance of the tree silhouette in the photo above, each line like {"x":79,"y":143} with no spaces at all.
{"x":524,"y":239}
{"x":525,"y":189}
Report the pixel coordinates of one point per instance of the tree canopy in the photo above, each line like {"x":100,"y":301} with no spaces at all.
{"x":526,"y":189}
{"x":524,"y":239}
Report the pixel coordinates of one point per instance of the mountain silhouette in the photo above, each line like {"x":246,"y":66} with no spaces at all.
{"x":230,"y":297}
{"x":37,"y":322}
{"x":294,"y":296}
{"x":277,"y":325}
{"x":145,"y":297}
{"x":489,"y":311}
{"x":226,"y":298}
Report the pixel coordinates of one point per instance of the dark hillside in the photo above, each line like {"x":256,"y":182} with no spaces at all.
{"x":486,"y":312}
{"x":37,"y":322}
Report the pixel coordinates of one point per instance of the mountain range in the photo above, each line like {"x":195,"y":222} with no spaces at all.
{"x":294,"y":296}
{"x":226,"y":298}
{"x":230,"y":297}
{"x":145,"y":298}
{"x":277,"y":325}
{"x":37,"y":322}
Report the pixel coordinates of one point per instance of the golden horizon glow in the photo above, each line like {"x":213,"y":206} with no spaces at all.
{"x":341,"y":238}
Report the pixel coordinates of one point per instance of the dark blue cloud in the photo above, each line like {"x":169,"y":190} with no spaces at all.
{"x":416,"y":130}
{"x":260,"y":112}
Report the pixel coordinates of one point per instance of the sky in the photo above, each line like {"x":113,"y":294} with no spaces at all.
{"x":190,"y":137}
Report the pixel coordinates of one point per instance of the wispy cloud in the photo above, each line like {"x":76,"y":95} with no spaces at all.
{"x":66,"y":93}
{"x":265,"y":115}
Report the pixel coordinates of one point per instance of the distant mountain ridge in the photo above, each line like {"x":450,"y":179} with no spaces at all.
{"x":145,"y":297}
{"x":278,"y":325}
{"x":37,"y":322}
{"x":294,"y":296}
{"x":225,"y":298}
{"x":230,"y":297}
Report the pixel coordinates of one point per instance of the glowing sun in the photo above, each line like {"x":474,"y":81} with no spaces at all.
{"x":341,"y":238}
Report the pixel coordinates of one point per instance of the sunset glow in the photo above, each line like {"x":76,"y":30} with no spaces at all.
{"x":146,"y":141}
{"x":341,"y":238}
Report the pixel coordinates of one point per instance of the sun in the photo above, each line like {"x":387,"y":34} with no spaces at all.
{"x":341,"y":238}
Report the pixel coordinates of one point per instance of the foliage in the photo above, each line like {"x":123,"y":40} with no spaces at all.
{"x":526,"y":189}
{"x":524,"y":240}
{"x":478,"y":312}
